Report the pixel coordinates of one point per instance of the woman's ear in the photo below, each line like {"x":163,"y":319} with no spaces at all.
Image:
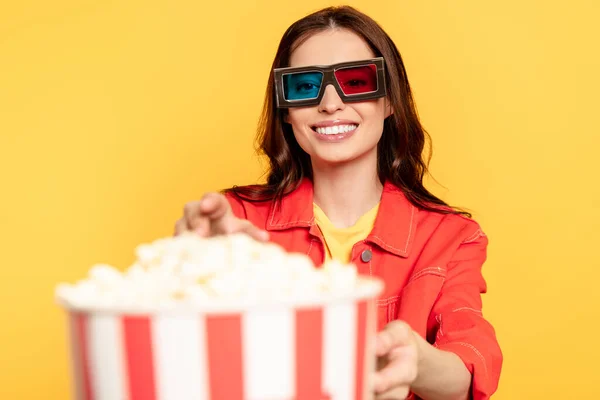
{"x":388,"y":107}
{"x":284,"y":115}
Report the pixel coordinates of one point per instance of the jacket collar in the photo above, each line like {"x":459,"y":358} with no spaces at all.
{"x":394,"y":227}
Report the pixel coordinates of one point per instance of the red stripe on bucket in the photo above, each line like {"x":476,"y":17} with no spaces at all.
{"x":140,"y":363}
{"x":361,"y":341}
{"x":80,"y":323}
{"x":309,"y":351}
{"x":224,"y":349}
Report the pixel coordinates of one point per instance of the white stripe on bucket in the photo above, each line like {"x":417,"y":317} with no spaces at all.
{"x":339,"y":350}
{"x":106,"y":358}
{"x":370,"y":358}
{"x":268,"y":338}
{"x":179,"y":348}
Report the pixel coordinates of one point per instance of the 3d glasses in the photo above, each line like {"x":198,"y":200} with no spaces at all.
{"x":353,"y":81}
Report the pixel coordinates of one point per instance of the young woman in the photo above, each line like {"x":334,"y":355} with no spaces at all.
{"x":341,"y":131}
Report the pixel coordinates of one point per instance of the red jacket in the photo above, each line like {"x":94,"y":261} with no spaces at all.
{"x":430,"y":263}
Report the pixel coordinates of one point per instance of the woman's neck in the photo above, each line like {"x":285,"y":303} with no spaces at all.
{"x":346,"y":192}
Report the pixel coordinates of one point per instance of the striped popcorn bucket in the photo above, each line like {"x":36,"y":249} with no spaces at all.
{"x":314,"y":350}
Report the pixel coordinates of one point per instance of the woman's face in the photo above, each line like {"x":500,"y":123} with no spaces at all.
{"x":360,"y":122}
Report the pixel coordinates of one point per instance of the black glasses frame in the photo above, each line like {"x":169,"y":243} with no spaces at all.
{"x":328,"y":72}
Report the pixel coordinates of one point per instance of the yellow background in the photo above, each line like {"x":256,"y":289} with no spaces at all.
{"x":113,"y":114}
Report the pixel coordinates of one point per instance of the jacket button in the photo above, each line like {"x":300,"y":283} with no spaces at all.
{"x":366,"y":255}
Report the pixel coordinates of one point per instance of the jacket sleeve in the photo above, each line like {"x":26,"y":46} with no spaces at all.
{"x":461,"y":327}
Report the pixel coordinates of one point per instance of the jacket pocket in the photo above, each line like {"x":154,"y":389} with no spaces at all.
{"x":386,"y":311}
{"x":415,"y":301}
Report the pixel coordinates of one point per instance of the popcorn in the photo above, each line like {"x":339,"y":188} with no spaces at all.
{"x":188,"y":269}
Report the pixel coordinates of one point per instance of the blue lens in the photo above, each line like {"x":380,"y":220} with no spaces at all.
{"x":302,"y":85}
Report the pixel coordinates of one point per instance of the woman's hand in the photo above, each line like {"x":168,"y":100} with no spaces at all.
{"x":398,"y":355}
{"x":408,"y":363}
{"x":212,"y":215}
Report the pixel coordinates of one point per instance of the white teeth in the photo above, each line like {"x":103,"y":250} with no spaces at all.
{"x":336,"y":129}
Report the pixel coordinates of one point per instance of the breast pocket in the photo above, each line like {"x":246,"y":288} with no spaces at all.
{"x":415,"y":301}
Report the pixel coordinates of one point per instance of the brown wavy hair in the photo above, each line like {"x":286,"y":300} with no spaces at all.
{"x":400,"y":149}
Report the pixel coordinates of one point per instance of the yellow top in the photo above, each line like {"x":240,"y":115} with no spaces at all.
{"x":339,"y":241}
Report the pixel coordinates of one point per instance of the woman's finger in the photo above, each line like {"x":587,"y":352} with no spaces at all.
{"x":202,"y":226}
{"x":180,"y":226}
{"x":212,"y":215}
{"x":254,"y":232}
{"x":214,"y":206}
{"x":396,"y":393}
{"x":230,"y":224}
{"x":396,"y":333}
{"x":401,"y":370}
{"x":190,"y":211}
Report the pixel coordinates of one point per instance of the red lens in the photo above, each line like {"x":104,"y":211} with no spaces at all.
{"x":357,"y":80}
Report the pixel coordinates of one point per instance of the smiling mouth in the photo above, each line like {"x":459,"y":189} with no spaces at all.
{"x":334,"y":130}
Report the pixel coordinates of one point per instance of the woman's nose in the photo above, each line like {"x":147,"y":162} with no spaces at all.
{"x":331,"y":101}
